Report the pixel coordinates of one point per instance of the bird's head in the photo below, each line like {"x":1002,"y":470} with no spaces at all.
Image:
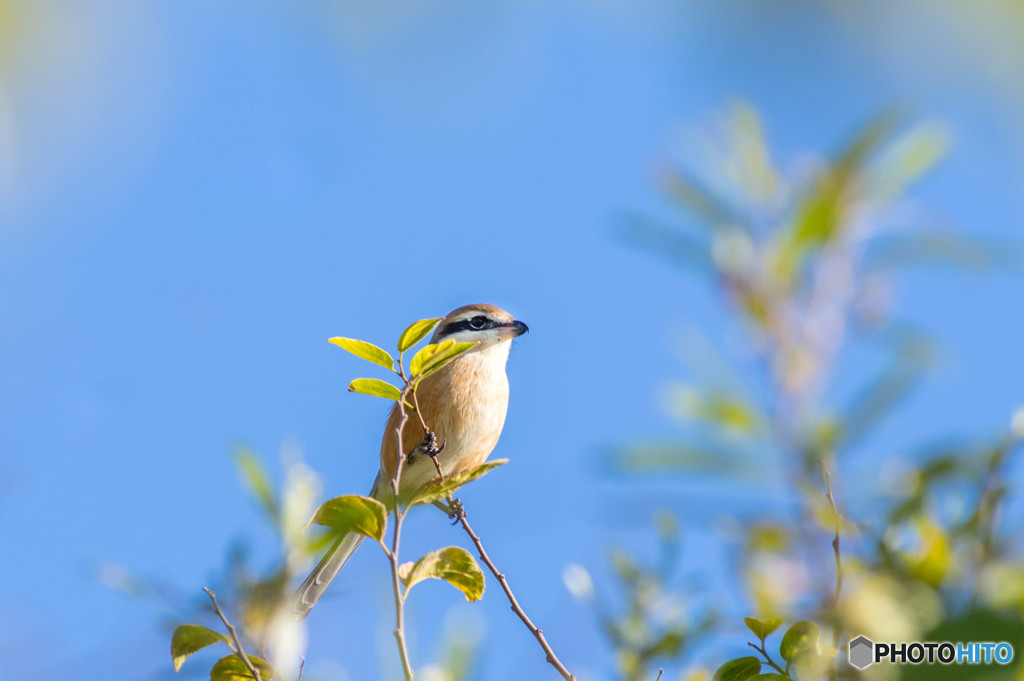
{"x":485,"y":324}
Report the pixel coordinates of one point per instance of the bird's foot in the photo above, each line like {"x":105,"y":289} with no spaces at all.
{"x":454,"y":510}
{"x":457,"y":511}
{"x":427,"y":446}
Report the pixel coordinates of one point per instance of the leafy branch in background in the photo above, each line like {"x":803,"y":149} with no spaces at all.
{"x":804,"y":260}
{"x":655,"y":619}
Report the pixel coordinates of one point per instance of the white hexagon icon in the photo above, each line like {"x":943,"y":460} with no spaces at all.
{"x":862,"y":652}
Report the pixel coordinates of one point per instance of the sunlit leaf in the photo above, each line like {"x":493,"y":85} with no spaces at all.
{"x":452,"y":564}
{"x":907,"y":158}
{"x":255,"y":478}
{"x":715,"y":458}
{"x":801,"y":638}
{"x":671,"y":643}
{"x":375,"y":387}
{"x":768,"y":537}
{"x":435,"y":356}
{"x":739,"y":669}
{"x":353,"y":513}
{"x":232,"y":668}
{"x":762,"y":628}
{"x":189,"y":638}
{"x":440,"y":489}
{"x":416,"y":332}
{"x":725,"y":410}
{"x":852,"y":157}
{"x":773,"y":677}
{"x":933,"y":556}
{"x":364,"y":350}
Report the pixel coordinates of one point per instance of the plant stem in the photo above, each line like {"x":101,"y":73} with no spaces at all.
{"x":836,"y":630}
{"x":397,"y":533}
{"x":767,"y":657}
{"x":516,"y":608}
{"x":234,"y":636}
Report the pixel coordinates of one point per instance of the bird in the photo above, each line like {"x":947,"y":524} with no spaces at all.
{"x":464,"y":406}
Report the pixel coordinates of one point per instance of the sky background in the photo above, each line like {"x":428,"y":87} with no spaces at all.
{"x":194,"y":196}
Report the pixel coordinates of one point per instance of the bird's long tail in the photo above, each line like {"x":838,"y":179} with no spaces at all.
{"x":310,"y":591}
{"x":326,"y":570}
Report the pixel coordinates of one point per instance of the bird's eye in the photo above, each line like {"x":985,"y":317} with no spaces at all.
{"x":478,"y":322}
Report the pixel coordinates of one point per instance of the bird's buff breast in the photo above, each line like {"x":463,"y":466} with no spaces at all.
{"x":464,"y":404}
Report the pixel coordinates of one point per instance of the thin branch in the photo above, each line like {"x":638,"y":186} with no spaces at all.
{"x":516,"y":608}
{"x":460,"y":514}
{"x":393,"y":554}
{"x":239,"y":650}
{"x":767,"y":657}
{"x":832,"y":672}
{"x":416,"y":408}
{"x":302,"y":668}
{"x":660,"y":672}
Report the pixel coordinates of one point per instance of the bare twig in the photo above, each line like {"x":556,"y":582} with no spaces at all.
{"x":660,"y":673}
{"x":416,"y":407}
{"x":302,"y":668}
{"x":239,"y":650}
{"x":516,"y":608}
{"x":397,"y":533}
{"x":836,"y":630}
{"x":767,"y":657}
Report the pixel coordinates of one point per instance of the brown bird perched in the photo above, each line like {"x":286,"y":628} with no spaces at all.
{"x":463,"y":404}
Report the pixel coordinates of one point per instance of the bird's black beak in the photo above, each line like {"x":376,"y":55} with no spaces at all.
{"x":514,"y":329}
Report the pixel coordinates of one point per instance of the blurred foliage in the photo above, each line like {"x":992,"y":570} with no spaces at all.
{"x":805,"y":261}
{"x":655,"y":619}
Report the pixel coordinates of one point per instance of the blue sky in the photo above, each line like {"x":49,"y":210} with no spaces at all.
{"x":195,"y":196}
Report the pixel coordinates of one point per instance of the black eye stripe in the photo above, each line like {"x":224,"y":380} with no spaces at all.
{"x":467,"y":325}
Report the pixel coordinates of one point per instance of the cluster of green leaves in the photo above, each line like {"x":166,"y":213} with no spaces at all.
{"x":429,"y":360}
{"x":368,"y":517}
{"x":801,"y":651}
{"x":191,"y":638}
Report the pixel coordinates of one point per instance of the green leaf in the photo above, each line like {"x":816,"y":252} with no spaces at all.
{"x":669,"y":644}
{"x":364,"y":350}
{"x":353,"y":513}
{"x":452,"y":564}
{"x":773,"y":677}
{"x":801,"y":638}
{"x":415,"y":333}
{"x":375,"y":387}
{"x":727,"y":411}
{"x":255,"y":479}
{"x":432,"y":357}
{"x":439,"y":489}
{"x":762,"y":628}
{"x":190,"y":638}
{"x":232,"y":668}
{"x":739,"y":669}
